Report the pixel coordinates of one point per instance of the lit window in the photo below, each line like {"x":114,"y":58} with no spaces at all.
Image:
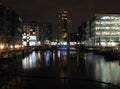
{"x":115,"y":18}
{"x":65,"y":18}
{"x":115,"y":33}
{"x":65,"y":11}
{"x":105,"y":33}
{"x":105,"y":17}
{"x":31,"y":29}
{"x":34,"y":32}
{"x":24,"y":37}
{"x":97,"y":22}
{"x":105,"y":28}
{"x":24,"y":34}
{"x":97,"y":33}
{"x":105,"y":22}
{"x":115,"y":28}
{"x":103,"y":39}
{"x":97,"y":28}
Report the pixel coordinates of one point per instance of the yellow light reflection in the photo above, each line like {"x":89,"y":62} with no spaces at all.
{"x":65,"y":35}
{"x":39,"y":56}
{"x":58,"y":54}
{"x":1,"y":46}
{"x":53,"y":58}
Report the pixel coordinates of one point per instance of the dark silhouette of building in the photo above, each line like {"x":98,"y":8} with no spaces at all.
{"x":75,"y":37}
{"x":10,"y":27}
{"x":64,"y":25}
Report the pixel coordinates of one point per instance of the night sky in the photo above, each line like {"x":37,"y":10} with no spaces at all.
{"x":48,"y":10}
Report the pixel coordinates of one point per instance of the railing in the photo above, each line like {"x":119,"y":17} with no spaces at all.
{"x":66,"y":83}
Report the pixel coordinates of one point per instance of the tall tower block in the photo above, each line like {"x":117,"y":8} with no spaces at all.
{"x":64,"y":26}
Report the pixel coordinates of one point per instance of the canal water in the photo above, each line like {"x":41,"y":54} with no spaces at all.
{"x":59,"y":69}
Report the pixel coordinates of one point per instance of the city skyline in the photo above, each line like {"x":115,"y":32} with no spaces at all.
{"x":48,"y":11}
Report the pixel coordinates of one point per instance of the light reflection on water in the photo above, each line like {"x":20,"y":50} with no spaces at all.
{"x":30,"y":61}
{"x":47,"y":58}
{"x":106,"y":71}
{"x":95,"y":66}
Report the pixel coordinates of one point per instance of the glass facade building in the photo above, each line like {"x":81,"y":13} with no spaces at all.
{"x":107,"y":29}
{"x":102,"y":30}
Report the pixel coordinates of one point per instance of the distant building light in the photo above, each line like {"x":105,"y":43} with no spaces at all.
{"x":31,"y":29}
{"x":38,"y":43}
{"x":27,"y":40}
{"x":34,"y":33}
{"x":28,"y":35}
{"x":1,"y":46}
{"x":59,"y":16}
{"x":11,"y":46}
{"x":65,"y":11}
{"x":65,"y":18}
{"x":17,"y":46}
{"x":20,"y":19}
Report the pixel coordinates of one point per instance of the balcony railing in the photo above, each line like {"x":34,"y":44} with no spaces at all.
{"x":52,"y":82}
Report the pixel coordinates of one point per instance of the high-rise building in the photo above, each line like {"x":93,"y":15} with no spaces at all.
{"x":64,"y":26}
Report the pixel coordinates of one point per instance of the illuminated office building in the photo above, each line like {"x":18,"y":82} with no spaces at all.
{"x":102,"y":30}
{"x":29,"y":37}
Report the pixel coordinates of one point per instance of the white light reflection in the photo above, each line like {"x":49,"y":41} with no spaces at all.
{"x":107,"y":71}
{"x":89,"y":57}
{"x":72,"y":52}
{"x":26,"y":63}
{"x":102,"y":70}
{"x":58,"y":54}
{"x":47,"y":58}
{"x":30,"y":61}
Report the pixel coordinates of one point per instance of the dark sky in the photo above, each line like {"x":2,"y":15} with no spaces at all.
{"x":48,"y":10}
